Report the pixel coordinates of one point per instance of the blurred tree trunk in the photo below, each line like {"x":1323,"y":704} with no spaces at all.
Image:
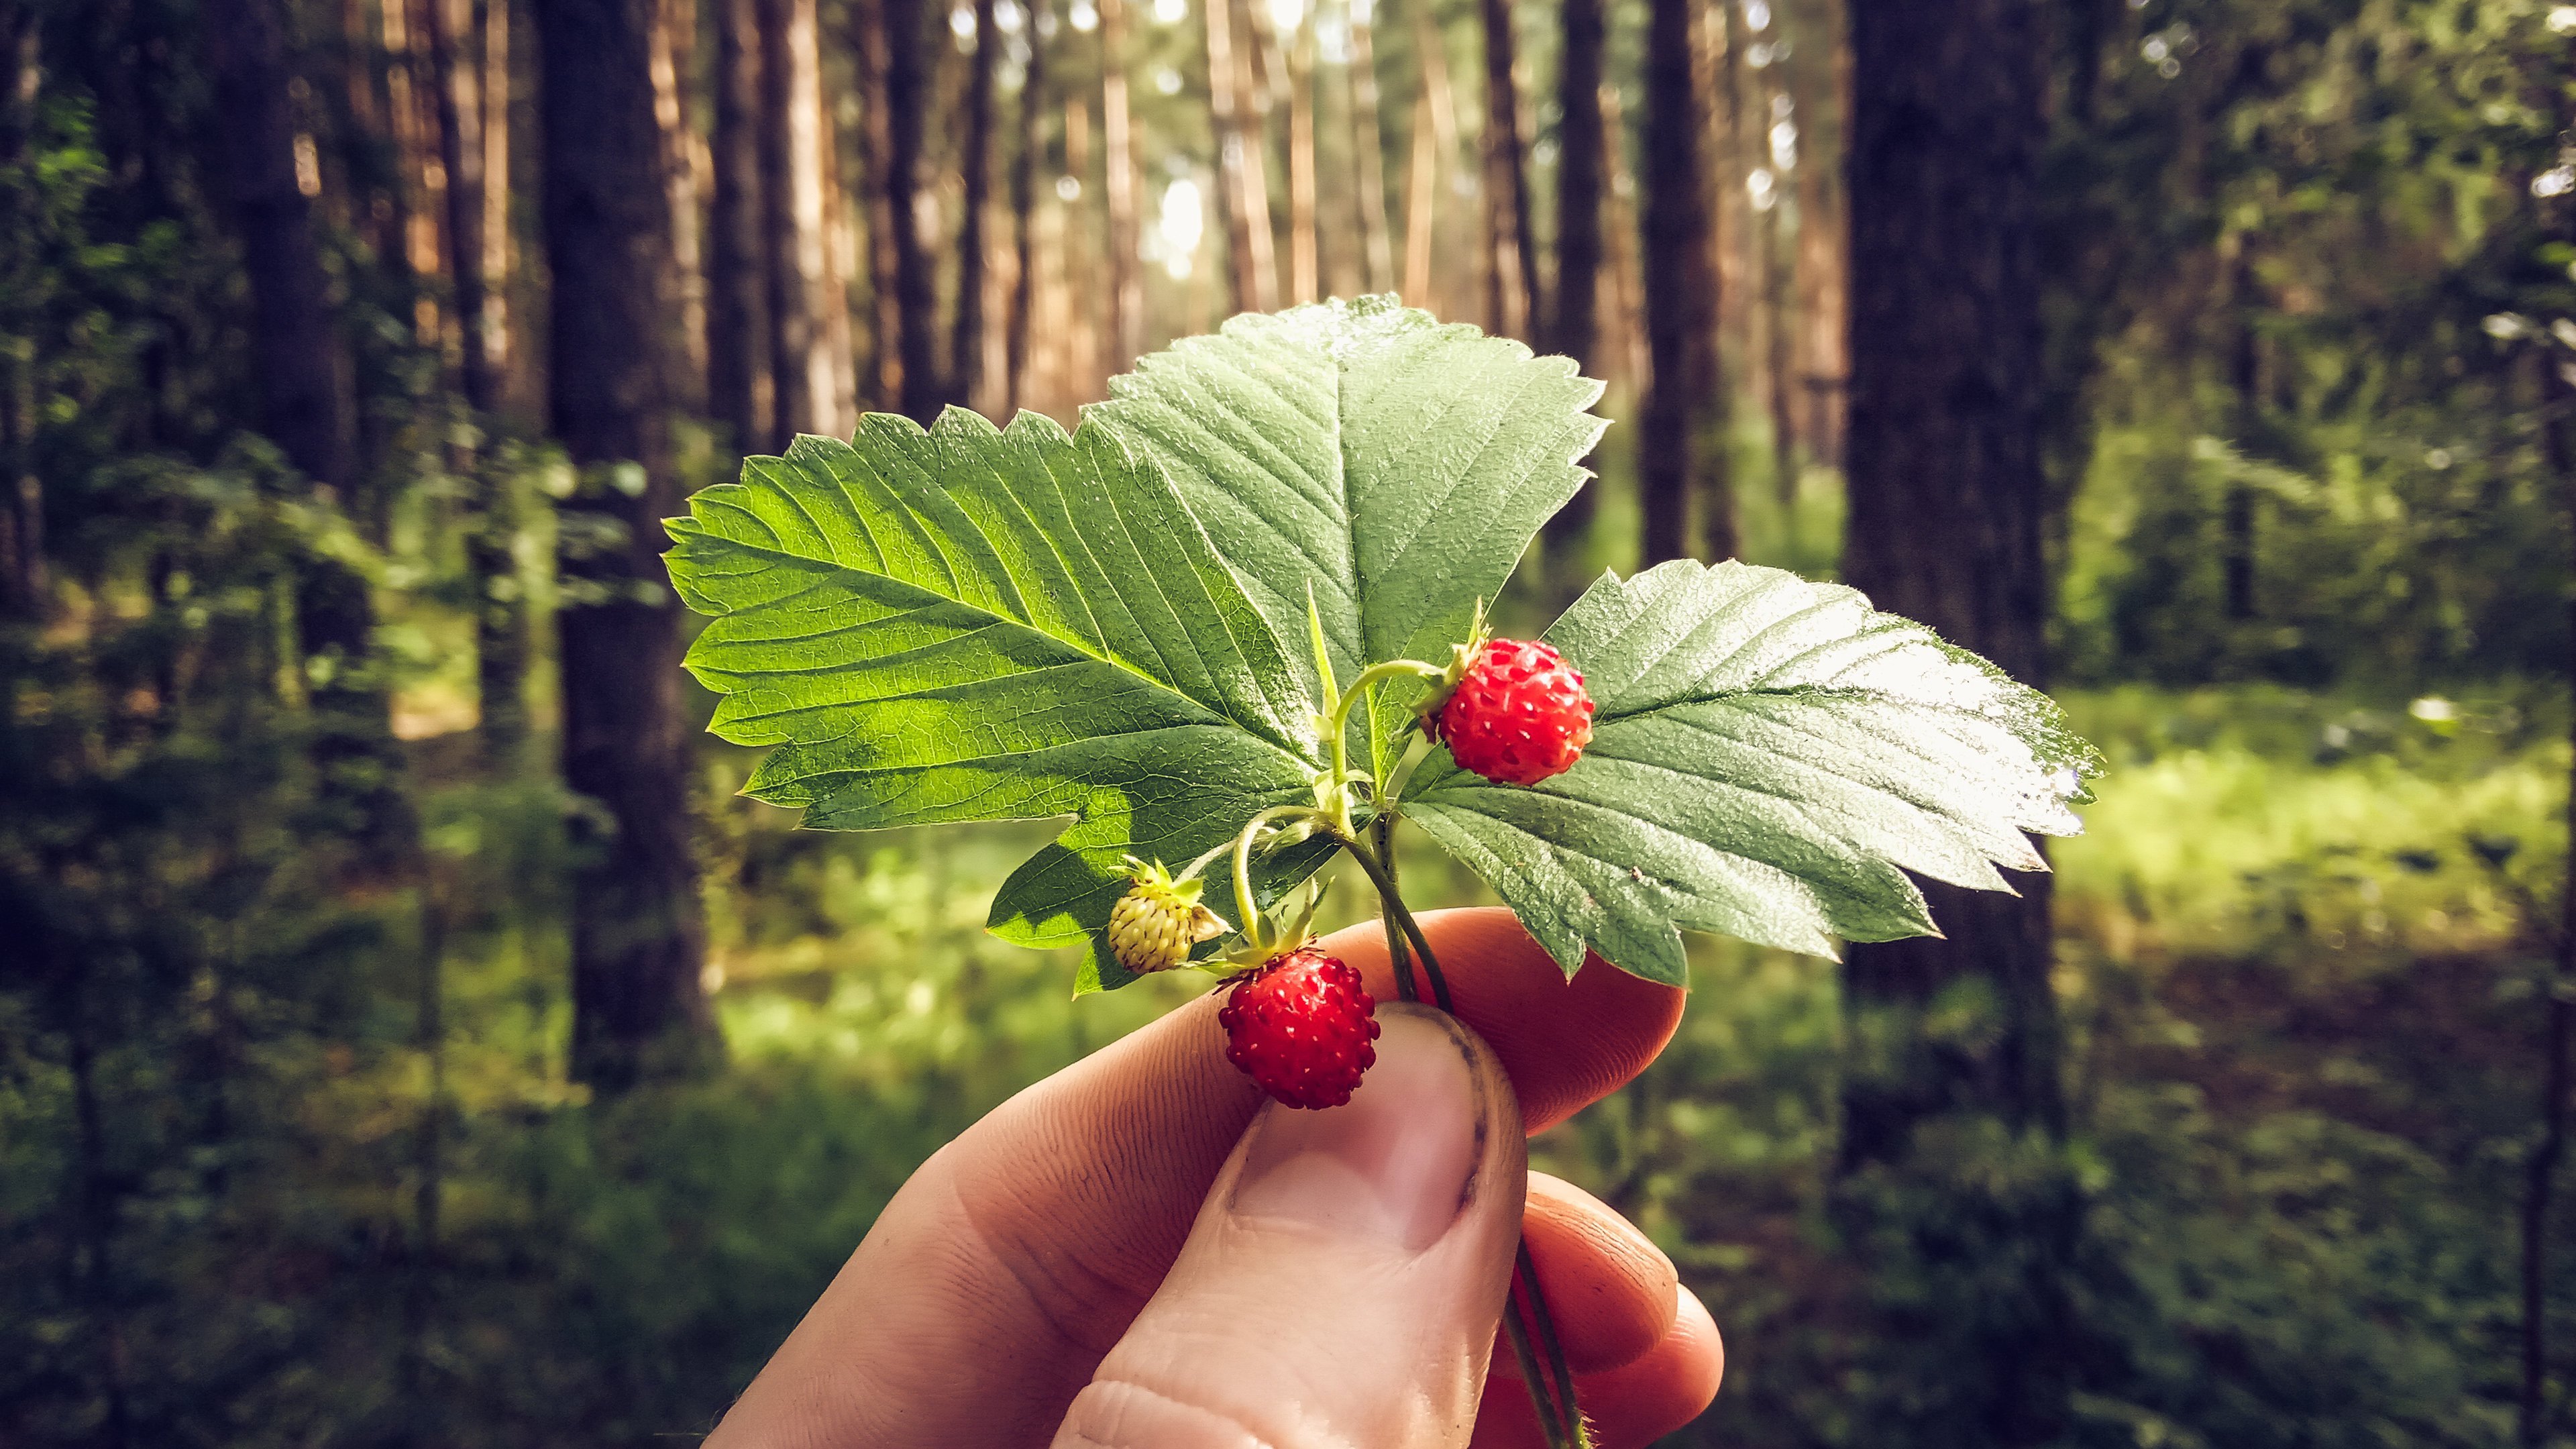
{"x":741,"y":387}
{"x":500,"y":646}
{"x":2534,"y":1424}
{"x":307,"y":405}
{"x":1024,"y":203}
{"x":1126,"y":326}
{"x":306,"y":397}
{"x":899,"y":45}
{"x":1368,"y":153}
{"x":1435,"y":146}
{"x":2245,"y":374}
{"x":805,"y":297}
{"x":1511,"y":274}
{"x":24,"y":590}
{"x":966,"y":343}
{"x":1679,"y":290}
{"x":1247,"y":191}
{"x":1947,"y":497}
{"x":493,"y":18}
{"x":675,"y":34}
{"x":1304,"y":263}
{"x":637,"y":937}
{"x":1574,"y":316}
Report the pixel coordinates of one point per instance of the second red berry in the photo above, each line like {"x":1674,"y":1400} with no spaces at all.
{"x":1300,"y":1025}
{"x":1519,"y":714}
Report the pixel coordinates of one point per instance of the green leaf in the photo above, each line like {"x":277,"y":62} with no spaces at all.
{"x":975,"y":624}
{"x":1766,"y":755}
{"x":1395,"y":465}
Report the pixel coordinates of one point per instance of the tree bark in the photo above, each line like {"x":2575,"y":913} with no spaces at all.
{"x":804,"y":291}
{"x":916,"y":302}
{"x":2534,"y":1427}
{"x":1574,"y":315}
{"x":1024,"y":203}
{"x":1435,"y":149}
{"x":24,"y":588}
{"x":457,"y":93}
{"x":1512,"y":281}
{"x":1679,"y":291}
{"x":966,"y":343}
{"x":306,"y":395}
{"x":1247,"y":191}
{"x":1304,"y":263}
{"x":638,"y":942}
{"x":1947,"y":498}
{"x":1368,"y":153}
{"x":2245,"y":373}
{"x":1126,"y":327}
{"x":741,"y":385}
{"x":675,"y":32}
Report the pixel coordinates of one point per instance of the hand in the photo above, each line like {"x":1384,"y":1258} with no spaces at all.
{"x":1141,"y":1253}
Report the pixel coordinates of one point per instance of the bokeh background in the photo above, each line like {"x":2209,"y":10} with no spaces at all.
{"x":407,"y":1035}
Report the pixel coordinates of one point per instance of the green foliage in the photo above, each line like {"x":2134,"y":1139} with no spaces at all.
{"x":1766,"y":754}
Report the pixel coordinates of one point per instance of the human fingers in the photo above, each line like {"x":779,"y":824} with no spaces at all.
{"x":1567,"y":1042}
{"x":1630,"y":1406}
{"x":1608,"y":1287}
{"x":1033,"y":1240}
{"x":1342,"y":1277}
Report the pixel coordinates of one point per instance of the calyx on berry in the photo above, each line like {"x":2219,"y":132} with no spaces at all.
{"x":1154,"y":925}
{"x":1301,"y":1025}
{"x":1516,"y":712}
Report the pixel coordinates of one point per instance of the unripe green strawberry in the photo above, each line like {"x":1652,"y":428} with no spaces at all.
{"x":1154,"y":925}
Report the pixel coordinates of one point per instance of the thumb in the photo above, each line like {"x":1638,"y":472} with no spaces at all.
{"x":1345,"y":1274}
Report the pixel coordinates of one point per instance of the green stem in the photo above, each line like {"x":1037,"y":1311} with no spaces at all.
{"x":1394,"y":904}
{"x":1377,"y":674}
{"x":1398,"y":955}
{"x":1551,"y":1419}
{"x":1558,"y":1414}
{"x":1562,"y":1371}
{"x":1256,"y":929}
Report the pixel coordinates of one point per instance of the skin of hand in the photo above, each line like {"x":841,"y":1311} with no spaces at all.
{"x":1141,"y":1252}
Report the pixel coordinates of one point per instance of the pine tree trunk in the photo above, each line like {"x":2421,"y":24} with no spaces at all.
{"x":24,"y":589}
{"x":306,"y":397}
{"x":1304,"y":244}
{"x":2245,"y":369}
{"x":1947,"y":499}
{"x":1247,"y":190}
{"x":741,"y":387}
{"x":1368,"y":154}
{"x":493,"y":17}
{"x":1024,"y":202}
{"x":1512,"y":281}
{"x":1435,"y":149}
{"x":966,"y":343}
{"x":805,"y":298}
{"x":638,"y":942}
{"x":1126,"y":321}
{"x":916,"y":301}
{"x":675,"y":32}
{"x":1574,"y":316}
{"x":1679,"y":290}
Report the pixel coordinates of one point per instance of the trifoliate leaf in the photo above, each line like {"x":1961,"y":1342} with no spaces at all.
{"x":976,"y":624}
{"x":1395,"y":465}
{"x":1766,"y":755}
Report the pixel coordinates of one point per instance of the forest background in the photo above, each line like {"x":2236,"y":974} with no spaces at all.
{"x":408,"y":1036}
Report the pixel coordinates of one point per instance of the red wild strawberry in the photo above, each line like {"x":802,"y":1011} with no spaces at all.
{"x":1518,"y":714}
{"x":1301,"y":1025}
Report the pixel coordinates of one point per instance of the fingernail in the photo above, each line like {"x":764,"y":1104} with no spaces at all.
{"x":1393,"y":1165}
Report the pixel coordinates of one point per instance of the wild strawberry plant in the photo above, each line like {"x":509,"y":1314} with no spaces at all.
{"x":1232,"y":627}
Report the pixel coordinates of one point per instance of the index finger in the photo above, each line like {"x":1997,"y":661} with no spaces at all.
{"x":1567,"y":1042}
